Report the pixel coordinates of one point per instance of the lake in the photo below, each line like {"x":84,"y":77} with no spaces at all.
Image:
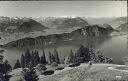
{"x":115,"y":47}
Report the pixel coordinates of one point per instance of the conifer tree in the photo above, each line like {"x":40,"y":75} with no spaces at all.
{"x":53,"y":58}
{"x":4,"y":68}
{"x":17,"y":65}
{"x":30,"y":66}
{"x":50,"y":57}
{"x":70,"y":58}
{"x":22,"y":61}
{"x":36,"y":58}
{"x":7,"y":66}
{"x":27,"y":58}
{"x":56,"y":56}
{"x":32,"y":58}
{"x":43,"y":59}
{"x":83,"y":54}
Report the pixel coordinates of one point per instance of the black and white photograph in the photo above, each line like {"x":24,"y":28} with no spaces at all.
{"x":63,"y":41}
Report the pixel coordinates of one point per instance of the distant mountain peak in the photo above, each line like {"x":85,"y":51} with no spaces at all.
{"x":31,"y":25}
{"x":17,"y":24}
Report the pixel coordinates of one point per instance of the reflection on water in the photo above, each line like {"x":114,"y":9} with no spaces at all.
{"x":114,"y":47}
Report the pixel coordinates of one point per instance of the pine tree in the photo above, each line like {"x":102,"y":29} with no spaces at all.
{"x":4,"y":68}
{"x":43,"y":59}
{"x":7,"y":66}
{"x":30,"y":66}
{"x":50,"y":57}
{"x":53,"y":58}
{"x":56,"y":56}
{"x":81,"y":51}
{"x":22,"y":61}
{"x":1,"y":65}
{"x":87,"y":56}
{"x":76,"y":59}
{"x":36,"y":58}
{"x":83,"y":54}
{"x":70,"y":58}
{"x":1,"y":58}
{"x":92,"y":54}
{"x":32,"y":58}
{"x":27,"y":58}
{"x":17,"y":65}
{"x":63,"y":60}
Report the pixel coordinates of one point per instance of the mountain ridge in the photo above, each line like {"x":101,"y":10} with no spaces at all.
{"x":16,"y":24}
{"x":88,"y":31}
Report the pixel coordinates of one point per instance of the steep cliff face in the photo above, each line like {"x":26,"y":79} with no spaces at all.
{"x":88,"y":31}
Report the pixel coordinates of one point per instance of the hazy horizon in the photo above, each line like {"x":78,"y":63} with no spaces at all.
{"x":94,"y":9}
{"x":59,"y":17}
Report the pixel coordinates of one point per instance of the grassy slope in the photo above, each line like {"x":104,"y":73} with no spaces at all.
{"x":97,"y":72}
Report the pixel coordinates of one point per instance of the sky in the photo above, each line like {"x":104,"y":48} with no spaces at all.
{"x":64,"y":8}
